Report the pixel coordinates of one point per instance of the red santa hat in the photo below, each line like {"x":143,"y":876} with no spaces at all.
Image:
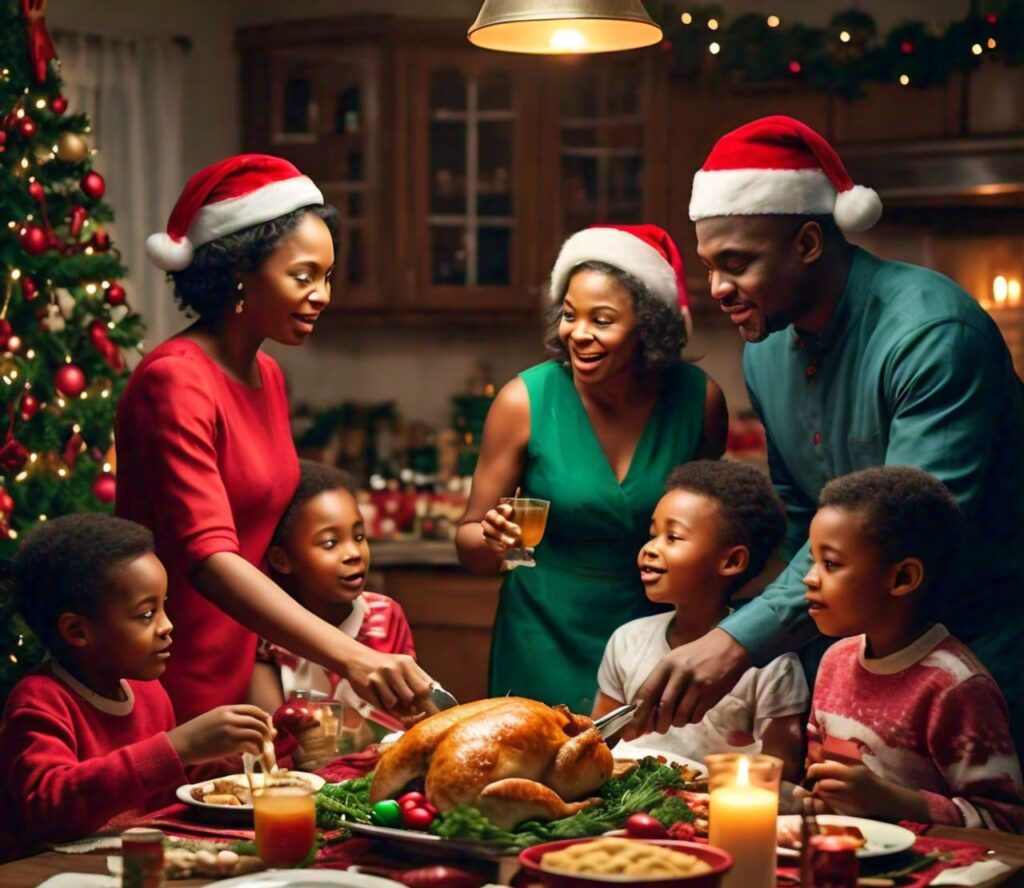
{"x":645,"y":251}
{"x":235,"y":193}
{"x":778,"y":165}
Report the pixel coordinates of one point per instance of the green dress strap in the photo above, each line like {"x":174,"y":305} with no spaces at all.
{"x":554,"y":619}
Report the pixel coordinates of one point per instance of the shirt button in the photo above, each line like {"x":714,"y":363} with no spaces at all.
{"x":811,"y":370}
{"x":817,"y":438}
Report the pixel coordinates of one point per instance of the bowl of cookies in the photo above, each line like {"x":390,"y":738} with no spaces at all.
{"x":652,"y":863}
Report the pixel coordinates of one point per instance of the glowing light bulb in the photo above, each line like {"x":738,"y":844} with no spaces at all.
{"x":40,"y":104}
{"x":15,"y":274}
{"x":1013,"y":291}
{"x":686,"y":18}
{"x":904,"y":80}
{"x":712,"y":24}
{"x":714,"y":49}
{"x":1000,"y":288}
{"x":774,"y":21}
{"x":991,"y":43}
{"x":567,"y":40}
{"x":845,"y":36}
{"x":977,"y":49}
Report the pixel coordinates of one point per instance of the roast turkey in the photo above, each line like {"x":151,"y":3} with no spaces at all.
{"x":511,"y":758}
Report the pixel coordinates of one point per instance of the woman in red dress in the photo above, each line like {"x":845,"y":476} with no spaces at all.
{"x":205,"y":456}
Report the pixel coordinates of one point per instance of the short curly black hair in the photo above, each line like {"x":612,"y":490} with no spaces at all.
{"x":314,"y":478}
{"x":751,"y":511}
{"x":64,"y":566}
{"x":910,"y":514}
{"x":662,"y":330}
{"x":208,"y":285}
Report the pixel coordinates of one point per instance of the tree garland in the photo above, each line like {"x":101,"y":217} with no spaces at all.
{"x":842,"y":58}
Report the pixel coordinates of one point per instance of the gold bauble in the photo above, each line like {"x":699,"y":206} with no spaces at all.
{"x":72,"y":148}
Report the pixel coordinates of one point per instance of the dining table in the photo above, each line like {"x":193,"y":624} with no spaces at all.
{"x":29,"y":872}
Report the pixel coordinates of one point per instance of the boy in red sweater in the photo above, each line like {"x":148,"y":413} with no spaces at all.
{"x":89,"y":735}
{"x":320,"y":556}
{"x":905,"y":722}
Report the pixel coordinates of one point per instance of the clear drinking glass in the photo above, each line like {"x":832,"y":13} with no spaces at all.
{"x":532,"y":517}
{"x":285,"y":822}
{"x":743,"y":811}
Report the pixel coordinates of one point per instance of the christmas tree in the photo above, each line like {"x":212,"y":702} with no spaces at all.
{"x":64,"y":320}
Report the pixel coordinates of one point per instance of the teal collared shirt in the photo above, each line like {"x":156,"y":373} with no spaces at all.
{"x":910,"y":370}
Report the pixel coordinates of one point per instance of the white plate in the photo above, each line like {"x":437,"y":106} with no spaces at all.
{"x":633,"y":753}
{"x":312,"y":878}
{"x":184,"y":792}
{"x":882,"y":838}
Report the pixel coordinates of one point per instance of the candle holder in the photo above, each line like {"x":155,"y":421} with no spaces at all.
{"x":743,"y":813}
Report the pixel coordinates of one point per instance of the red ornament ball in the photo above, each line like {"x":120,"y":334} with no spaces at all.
{"x":58,"y":104}
{"x":29,"y":406}
{"x":27,"y":127}
{"x":93,"y":185}
{"x":104,"y":488}
{"x":6,"y":502}
{"x":3,"y":138}
{"x":115,"y":295}
{"x":28,"y":288}
{"x":100,"y":241}
{"x":33,"y":240}
{"x":795,"y":67}
{"x":35,"y":189}
{"x":5,"y":330}
{"x":69,"y":380}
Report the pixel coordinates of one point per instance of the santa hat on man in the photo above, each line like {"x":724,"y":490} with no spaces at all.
{"x":235,"y":193}
{"x":780,"y":166}
{"x":645,"y":251}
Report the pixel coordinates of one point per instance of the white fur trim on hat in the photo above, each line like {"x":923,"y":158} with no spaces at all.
{"x":620,"y":250}
{"x":857,"y":209}
{"x":166,"y":253}
{"x":266,"y":203}
{"x":754,"y":192}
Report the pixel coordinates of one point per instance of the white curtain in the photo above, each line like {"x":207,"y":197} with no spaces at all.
{"x":132,"y":89}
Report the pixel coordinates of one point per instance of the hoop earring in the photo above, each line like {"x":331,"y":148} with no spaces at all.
{"x":240,"y":303}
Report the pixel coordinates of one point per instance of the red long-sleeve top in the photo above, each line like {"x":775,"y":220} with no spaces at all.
{"x":73,"y":761}
{"x":209,"y":465}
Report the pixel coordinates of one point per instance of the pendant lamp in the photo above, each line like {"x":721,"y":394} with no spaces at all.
{"x":563,"y":26}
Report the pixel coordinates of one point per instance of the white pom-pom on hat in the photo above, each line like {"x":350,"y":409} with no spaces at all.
{"x":857,"y":209}
{"x":166,"y":253}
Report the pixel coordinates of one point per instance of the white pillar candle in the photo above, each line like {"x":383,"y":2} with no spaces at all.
{"x":742,"y":820}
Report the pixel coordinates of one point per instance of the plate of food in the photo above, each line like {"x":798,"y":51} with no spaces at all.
{"x":231,"y":793}
{"x":878,"y":838}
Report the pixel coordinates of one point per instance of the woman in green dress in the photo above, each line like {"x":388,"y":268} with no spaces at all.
{"x":594,"y":431}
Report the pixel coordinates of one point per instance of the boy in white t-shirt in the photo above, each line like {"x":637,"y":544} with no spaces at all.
{"x":712,"y":531}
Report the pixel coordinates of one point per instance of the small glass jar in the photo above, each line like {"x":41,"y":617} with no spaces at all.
{"x":142,"y":858}
{"x":315,"y":723}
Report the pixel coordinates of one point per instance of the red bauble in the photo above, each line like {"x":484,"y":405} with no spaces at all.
{"x":5,"y":330}
{"x":58,"y":104}
{"x":115,"y":295}
{"x":100,"y":241}
{"x":69,"y":380}
{"x":27,"y":127}
{"x":29,"y":406}
{"x":93,"y":185}
{"x":36,"y":190}
{"x":78,"y":216}
{"x":28,"y":288}
{"x":3,"y":138}
{"x":6,"y":502}
{"x":33,"y":240}
{"x":104,"y":488}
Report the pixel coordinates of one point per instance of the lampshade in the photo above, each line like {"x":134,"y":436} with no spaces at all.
{"x":563,"y":26}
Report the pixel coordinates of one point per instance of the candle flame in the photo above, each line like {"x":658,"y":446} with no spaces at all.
{"x":743,"y":772}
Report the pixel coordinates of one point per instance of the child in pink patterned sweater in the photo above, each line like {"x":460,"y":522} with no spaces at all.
{"x":905,"y":721}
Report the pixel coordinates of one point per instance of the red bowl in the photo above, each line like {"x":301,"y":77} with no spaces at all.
{"x":720,"y":862}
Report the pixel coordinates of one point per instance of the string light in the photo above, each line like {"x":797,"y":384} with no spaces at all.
{"x":712,"y":24}
{"x":42,"y":517}
{"x":40,"y":104}
{"x":21,"y":476}
{"x":111,"y":325}
{"x":30,"y":354}
{"x":24,"y":163}
{"x":106,"y":467}
{"x":15,"y":274}
{"x":62,"y":472}
{"x":88,"y":251}
{"x":76,"y":428}
{"x":991,"y":43}
{"x":904,"y":80}
{"x":977,"y":49}
{"x":105,"y":393}
{"x":714,"y":49}
{"x":774,"y":21}
{"x":686,"y":18}
{"x":90,"y":289}
{"x":845,"y":37}
{"x":20,"y":113}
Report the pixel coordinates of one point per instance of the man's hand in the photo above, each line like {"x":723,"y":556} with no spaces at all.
{"x":390,"y":682}
{"x":858,"y":791}
{"x":688,"y":682}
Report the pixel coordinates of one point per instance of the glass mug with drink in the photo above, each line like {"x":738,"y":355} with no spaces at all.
{"x":285,"y":821}
{"x":531,"y":516}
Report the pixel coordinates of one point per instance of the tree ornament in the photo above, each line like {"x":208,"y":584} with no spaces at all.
{"x":105,"y":346}
{"x":75,"y":446}
{"x":6,"y":502}
{"x":40,"y":46}
{"x":69,"y":380}
{"x":6,"y":330}
{"x":33,"y":240}
{"x":29,"y":406}
{"x":93,"y":185}
{"x":27,"y":127}
{"x":29,"y":290}
{"x":78,"y":216}
{"x":58,"y":105}
{"x":13,"y":456}
{"x":14,"y":344}
{"x":104,"y":488}
{"x":53,"y":321}
{"x":42,"y":154}
{"x":3,"y":140}
{"x":71,"y":147}
{"x":100,"y":241}
{"x":115,"y":295}
{"x":36,"y":191}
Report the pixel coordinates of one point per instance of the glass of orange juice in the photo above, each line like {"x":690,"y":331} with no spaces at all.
{"x":285,"y":821}
{"x":532,"y":517}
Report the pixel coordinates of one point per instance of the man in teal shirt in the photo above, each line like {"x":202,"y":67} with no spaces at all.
{"x":851,"y":362}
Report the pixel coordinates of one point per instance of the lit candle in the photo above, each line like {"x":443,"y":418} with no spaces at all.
{"x":742,"y":817}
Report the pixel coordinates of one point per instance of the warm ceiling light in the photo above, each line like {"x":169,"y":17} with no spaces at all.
{"x":563,"y":26}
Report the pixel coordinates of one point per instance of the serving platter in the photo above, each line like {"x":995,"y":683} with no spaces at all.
{"x":428,"y":844}
{"x":881,"y":838}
